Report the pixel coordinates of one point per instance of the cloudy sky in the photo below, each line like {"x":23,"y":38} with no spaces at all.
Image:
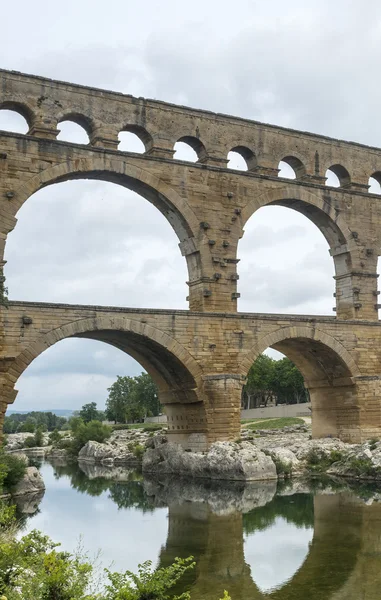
{"x":302,"y":64}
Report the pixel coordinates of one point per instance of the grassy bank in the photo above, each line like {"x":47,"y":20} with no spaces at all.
{"x":276,"y":423}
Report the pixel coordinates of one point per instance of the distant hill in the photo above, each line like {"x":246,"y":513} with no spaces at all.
{"x":60,"y":412}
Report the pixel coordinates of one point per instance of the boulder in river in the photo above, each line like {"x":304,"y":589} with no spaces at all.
{"x":108,"y":454}
{"x":224,"y":460}
{"x":31,"y":483}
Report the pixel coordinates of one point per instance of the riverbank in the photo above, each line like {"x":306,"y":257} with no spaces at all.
{"x":258,"y":455}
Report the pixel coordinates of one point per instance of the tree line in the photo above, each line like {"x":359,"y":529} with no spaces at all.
{"x":132,"y":399}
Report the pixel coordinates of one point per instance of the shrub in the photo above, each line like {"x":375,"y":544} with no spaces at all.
{"x":29,"y":442}
{"x":148,"y":584}
{"x":39,"y":437}
{"x":152,"y":427}
{"x":363,"y":467}
{"x":65,"y":444}
{"x":12,"y":469}
{"x":319,"y":462}
{"x":373,"y":444}
{"x":55,"y":437}
{"x":138,"y":450}
{"x":120,"y":426}
{"x":283,"y":468}
{"x":85,"y":432}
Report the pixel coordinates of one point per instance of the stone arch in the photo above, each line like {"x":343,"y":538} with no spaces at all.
{"x":318,"y":209}
{"x":173,"y":207}
{"x":296,"y":164}
{"x":308,"y":332}
{"x":174,"y":370}
{"x":329,"y":372}
{"x":144,"y":183}
{"x":141,"y":132}
{"x":195,"y":143}
{"x":83,"y":121}
{"x":21,"y":108}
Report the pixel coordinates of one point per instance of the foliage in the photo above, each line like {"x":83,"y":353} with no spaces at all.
{"x":55,"y":437}
{"x":148,"y":584}
{"x":33,"y":567}
{"x":39,"y":437}
{"x":75,"y":423}
{"x":28,"y":422}
{"x":89,"y":412}
{"x":269,"y":378}
{"x":318,"y":462}
{"x":137,"y":450}
{"x":132,"y":399}
{"x":3,"y":290}
{"x":84,"y":432}
{"x":283,"y":468}
{"x":12,"y":470}
{"x":274,"y":423}
{"x":373,"y":444}
{"x":363,"y":467}
{"x":29,"y":442}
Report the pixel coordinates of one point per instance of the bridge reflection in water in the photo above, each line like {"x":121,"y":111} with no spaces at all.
{"x":343,"y":560}
{"x":215,"y":522}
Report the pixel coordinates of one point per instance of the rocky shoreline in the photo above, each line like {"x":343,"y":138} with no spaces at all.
{"x":263,"y":455}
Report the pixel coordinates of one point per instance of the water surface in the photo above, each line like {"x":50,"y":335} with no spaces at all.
{"x":255,"y":541}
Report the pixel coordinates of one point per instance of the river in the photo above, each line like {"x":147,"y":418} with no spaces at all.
{"x":254,"y":541}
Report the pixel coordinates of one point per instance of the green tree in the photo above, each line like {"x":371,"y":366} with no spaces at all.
{"x":118,"y":400}
{"x":259,"y":385}
{"x":89,"y":412}
{"x":268,"y":378}
{"x":132,"y":398}
{"x":288,"y":383}
{"x":29,"y":426}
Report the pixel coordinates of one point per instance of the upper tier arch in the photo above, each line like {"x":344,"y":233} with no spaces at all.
{"x":176,"y":210}
{"x":317,"y":207}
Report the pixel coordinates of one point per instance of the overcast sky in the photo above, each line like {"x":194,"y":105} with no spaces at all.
{"x":307,"y":65}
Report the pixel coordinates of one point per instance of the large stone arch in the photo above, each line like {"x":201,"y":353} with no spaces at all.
{"x":329,"y":372}
{"x":173,"y":207}
{"x":174,"y":370}
{"x":319,"y":208}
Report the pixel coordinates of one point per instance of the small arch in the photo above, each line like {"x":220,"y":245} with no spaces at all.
{"x":375,"y":183}
{"x":21,"y":109}
{"x":134,"y":138}
{"x":337,"y":176}
{"x":189,"y":149}
{"x":291,"y":167}
{"x":12,"y":122}
{"x":75,"y":128}
{"x":241,"y":158}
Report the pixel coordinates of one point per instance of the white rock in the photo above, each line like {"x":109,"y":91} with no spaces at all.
{"x":31,"y":483}
{"x":224,"y":460}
